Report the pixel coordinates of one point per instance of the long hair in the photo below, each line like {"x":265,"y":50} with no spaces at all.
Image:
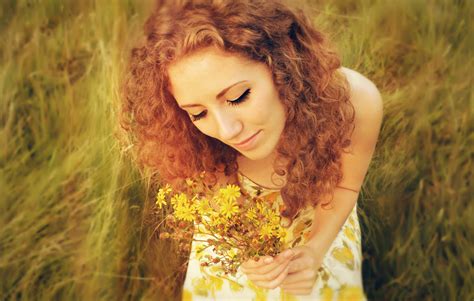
{"x":305,"y":71}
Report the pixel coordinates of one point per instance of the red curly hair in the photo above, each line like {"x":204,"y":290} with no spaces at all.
{"x":320,"y":117}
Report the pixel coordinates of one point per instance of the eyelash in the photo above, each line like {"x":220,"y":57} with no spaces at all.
{"x":235,"y":102}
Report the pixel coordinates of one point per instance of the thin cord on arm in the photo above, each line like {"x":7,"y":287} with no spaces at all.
{"x":356,"y":191}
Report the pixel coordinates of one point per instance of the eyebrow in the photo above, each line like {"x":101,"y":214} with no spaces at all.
{"x":218,"y":95}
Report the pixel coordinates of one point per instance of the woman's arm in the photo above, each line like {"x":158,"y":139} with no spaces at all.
{"x":368,"y":106}
{"x":329,"y":220}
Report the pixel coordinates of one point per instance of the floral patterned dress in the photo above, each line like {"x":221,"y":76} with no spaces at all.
{"x":339,"y":277}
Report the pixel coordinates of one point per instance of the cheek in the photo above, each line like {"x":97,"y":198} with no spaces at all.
{"x":206,"y":130}
{"x":270,"y":107}
{"x":269,"y":113}
{"x":202,"y":129}
{"x":260,"y":112}
{"x":257,"y":116}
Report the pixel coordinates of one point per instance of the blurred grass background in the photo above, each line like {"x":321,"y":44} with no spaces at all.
{"x":73,"y":209}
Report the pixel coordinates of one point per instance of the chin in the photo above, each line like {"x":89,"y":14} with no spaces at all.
{"x":256,"y":154}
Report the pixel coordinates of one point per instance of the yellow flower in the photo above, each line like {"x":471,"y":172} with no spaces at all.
{"x":167,"y":189}
{"x":228,"y":207}
{"x":266,"y":230}
{"x":203,"y":207}
{"x":189,"y":182}
{"x":179,"y":200}
{"x":251,"y":214}
{"x":281,"y":233}
{"x":231,"y":192}
{"x":160,"y":199}
{"x":215,"y":221}
{"x":161,"y":195}
{"x":261,"y":208}
{"x":272,"y":218}
{"x":233,"y":253}
{"x":185,"y":212}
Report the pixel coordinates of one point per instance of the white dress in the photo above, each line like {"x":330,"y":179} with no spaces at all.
{"x":339,"y":277}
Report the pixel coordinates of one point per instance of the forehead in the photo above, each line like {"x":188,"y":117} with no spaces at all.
{"x":203,"y":74}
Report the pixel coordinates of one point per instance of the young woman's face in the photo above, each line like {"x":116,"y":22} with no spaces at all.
{"x":231,"y":99}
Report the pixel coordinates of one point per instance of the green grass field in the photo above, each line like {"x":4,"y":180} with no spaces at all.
{"x":73,"y":222}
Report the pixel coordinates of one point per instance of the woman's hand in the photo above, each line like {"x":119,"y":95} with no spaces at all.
{"x":302,"y":271}
{"x":268,"y":272}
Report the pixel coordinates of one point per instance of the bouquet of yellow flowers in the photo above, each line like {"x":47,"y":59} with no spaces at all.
{"x":235,"y":227}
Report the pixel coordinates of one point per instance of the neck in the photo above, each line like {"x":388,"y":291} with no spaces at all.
{"x":261,"y":171}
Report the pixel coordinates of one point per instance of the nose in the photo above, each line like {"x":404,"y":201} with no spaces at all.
{"x":229,"y":125}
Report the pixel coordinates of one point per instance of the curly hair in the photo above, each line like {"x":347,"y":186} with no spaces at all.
{"x":305,"y":70}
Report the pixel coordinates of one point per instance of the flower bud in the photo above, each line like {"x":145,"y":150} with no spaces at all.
{"x":170,"y":220}
{"x":164,"y":235}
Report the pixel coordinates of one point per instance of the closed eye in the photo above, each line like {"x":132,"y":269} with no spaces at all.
{"x":232,"y":102}
{"x":240,"y":99}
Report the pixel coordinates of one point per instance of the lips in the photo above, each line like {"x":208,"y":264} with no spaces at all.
{"x":246,"y":140}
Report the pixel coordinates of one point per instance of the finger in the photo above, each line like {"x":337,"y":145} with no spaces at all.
{"x":305,"y":275}
{"x":263,"y":266}
{"x":270,"y":275}
{"x":251,"y":264}
{"x":300,"y":264}
{"x":275,"y":282}
{"x":268,"y":268}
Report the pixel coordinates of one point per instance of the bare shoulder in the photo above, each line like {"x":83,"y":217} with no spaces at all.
{"x":368,"y":107}
{"x":364,"y":94}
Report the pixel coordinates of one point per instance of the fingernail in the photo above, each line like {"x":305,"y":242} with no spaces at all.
{"x":268,"y":260}
{"x":288,"y":254}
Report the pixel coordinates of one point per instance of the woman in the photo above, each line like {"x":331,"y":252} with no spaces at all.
{"x":249,"y":92}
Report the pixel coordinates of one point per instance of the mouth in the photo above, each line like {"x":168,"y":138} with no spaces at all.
{"x":246,"y":141}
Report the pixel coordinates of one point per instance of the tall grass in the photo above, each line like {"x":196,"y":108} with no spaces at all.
{"x":73,"y":221}
{"x":417,"y":210}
